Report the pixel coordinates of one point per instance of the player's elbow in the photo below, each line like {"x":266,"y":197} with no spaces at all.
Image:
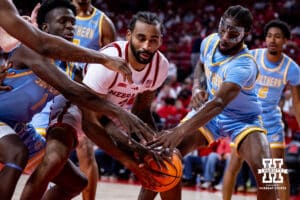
{"x":218,"y":104}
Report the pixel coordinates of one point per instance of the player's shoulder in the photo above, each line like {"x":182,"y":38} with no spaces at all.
{"x":163,"y":58}
{"x":257,"y":51}
{"x":210,"y":39}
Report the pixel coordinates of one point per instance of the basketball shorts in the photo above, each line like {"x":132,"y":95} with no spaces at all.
{"x":64,"y":113}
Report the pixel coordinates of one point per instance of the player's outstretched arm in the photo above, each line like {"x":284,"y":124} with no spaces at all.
{"x":53,"y":46}
{"x":75,"y":92}
{"x":172,"y":138}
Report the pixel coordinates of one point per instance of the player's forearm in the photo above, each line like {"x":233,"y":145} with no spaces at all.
{"x":205,"y":114}
{"x":75,"y":92}
{"x":46,"y":44}
{"x":146,"y":116}
{"x":61,"y":49}
{"x":199,"y":81}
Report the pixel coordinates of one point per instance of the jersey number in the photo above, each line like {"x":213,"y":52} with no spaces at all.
{"x":262,"y":92}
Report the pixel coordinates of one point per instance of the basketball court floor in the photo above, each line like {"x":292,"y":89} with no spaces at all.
{"x":116,"y":190}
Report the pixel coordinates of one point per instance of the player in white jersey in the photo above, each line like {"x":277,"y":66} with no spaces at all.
{"x":150,"y":67}
{"x":145,"y":77}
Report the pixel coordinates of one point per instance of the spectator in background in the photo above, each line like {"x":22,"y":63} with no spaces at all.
{"x":218,"y":159}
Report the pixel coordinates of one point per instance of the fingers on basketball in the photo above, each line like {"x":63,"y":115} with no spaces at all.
{"x":167,"y":177}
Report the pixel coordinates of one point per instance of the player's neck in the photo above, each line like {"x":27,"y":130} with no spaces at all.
{"x":274,"y":57}
{"x":135,"y":65}
{"x":85,"y":10}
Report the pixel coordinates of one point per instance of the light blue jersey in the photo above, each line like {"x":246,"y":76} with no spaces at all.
{"x":87,"y":34}
{"x":241,"y":116}
{"x":272,"y":79}
{"x":28,"y":96}
{"x":88,"y":30}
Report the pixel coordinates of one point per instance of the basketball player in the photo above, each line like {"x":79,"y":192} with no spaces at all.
{"x":276,"y":71}
{"x":52,"y":46}
{"x":28,"y":95}
{"x":149,"y":68}
{"x":93,"y":29}
{"x":232,"y":108}
{"x":26,"y":102}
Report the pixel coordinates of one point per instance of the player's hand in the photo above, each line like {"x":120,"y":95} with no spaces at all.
{"x":199,"y":97}
{"x":168,"y":139}
{"x":132,"y":125}
{"x":118,"y":64}
{"x":3,"y":74}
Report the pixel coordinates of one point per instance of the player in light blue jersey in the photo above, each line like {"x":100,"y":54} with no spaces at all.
{"x":232,"y":108}
{"x":93,"y":29}
{"x":276,"y":71}
{"x":27,"y":96}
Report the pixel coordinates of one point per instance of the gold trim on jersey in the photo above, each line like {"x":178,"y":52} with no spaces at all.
{"x":277,"y":145}
{"x":87,"y":17}
{"x":286,"y":71}
{"x":207,"y":134}
{"x":262,"y":61}
{"x":242,"y":136}
{"x":3,"y":124}
{"x":100,"y":29}
{"x":207,"y":44}
{"x":204,"y":131}
{"x":19,"y":74}
{"x":41,"y":131}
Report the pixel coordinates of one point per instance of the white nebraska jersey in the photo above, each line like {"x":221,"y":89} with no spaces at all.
{"x":118,"y":91}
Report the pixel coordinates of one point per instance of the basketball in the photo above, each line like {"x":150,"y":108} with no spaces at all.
{"x":168,"y":177}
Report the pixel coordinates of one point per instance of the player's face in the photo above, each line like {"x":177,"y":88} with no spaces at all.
{"x":275,"y":40}
{"x":144,"y":41}
{"x":60,"y":22}
{"x":230,"y":34}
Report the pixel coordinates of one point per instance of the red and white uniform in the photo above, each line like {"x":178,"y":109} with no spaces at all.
{"x":112,"y":84}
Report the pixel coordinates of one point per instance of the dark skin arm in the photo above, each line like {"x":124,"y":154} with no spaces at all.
{"x":53,"y":46}
{"x":75,"y":92}
{"x":142,"y":107}
{"x":200,"y":95}
{"x":172,"y":138}
{"x":108,"y":32}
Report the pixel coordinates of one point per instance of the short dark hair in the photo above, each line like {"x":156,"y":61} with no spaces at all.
{"x":48,"y":5}
{"x":146,"y":17}
{"x":283,"y":26}
{"x":241,"y":15}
